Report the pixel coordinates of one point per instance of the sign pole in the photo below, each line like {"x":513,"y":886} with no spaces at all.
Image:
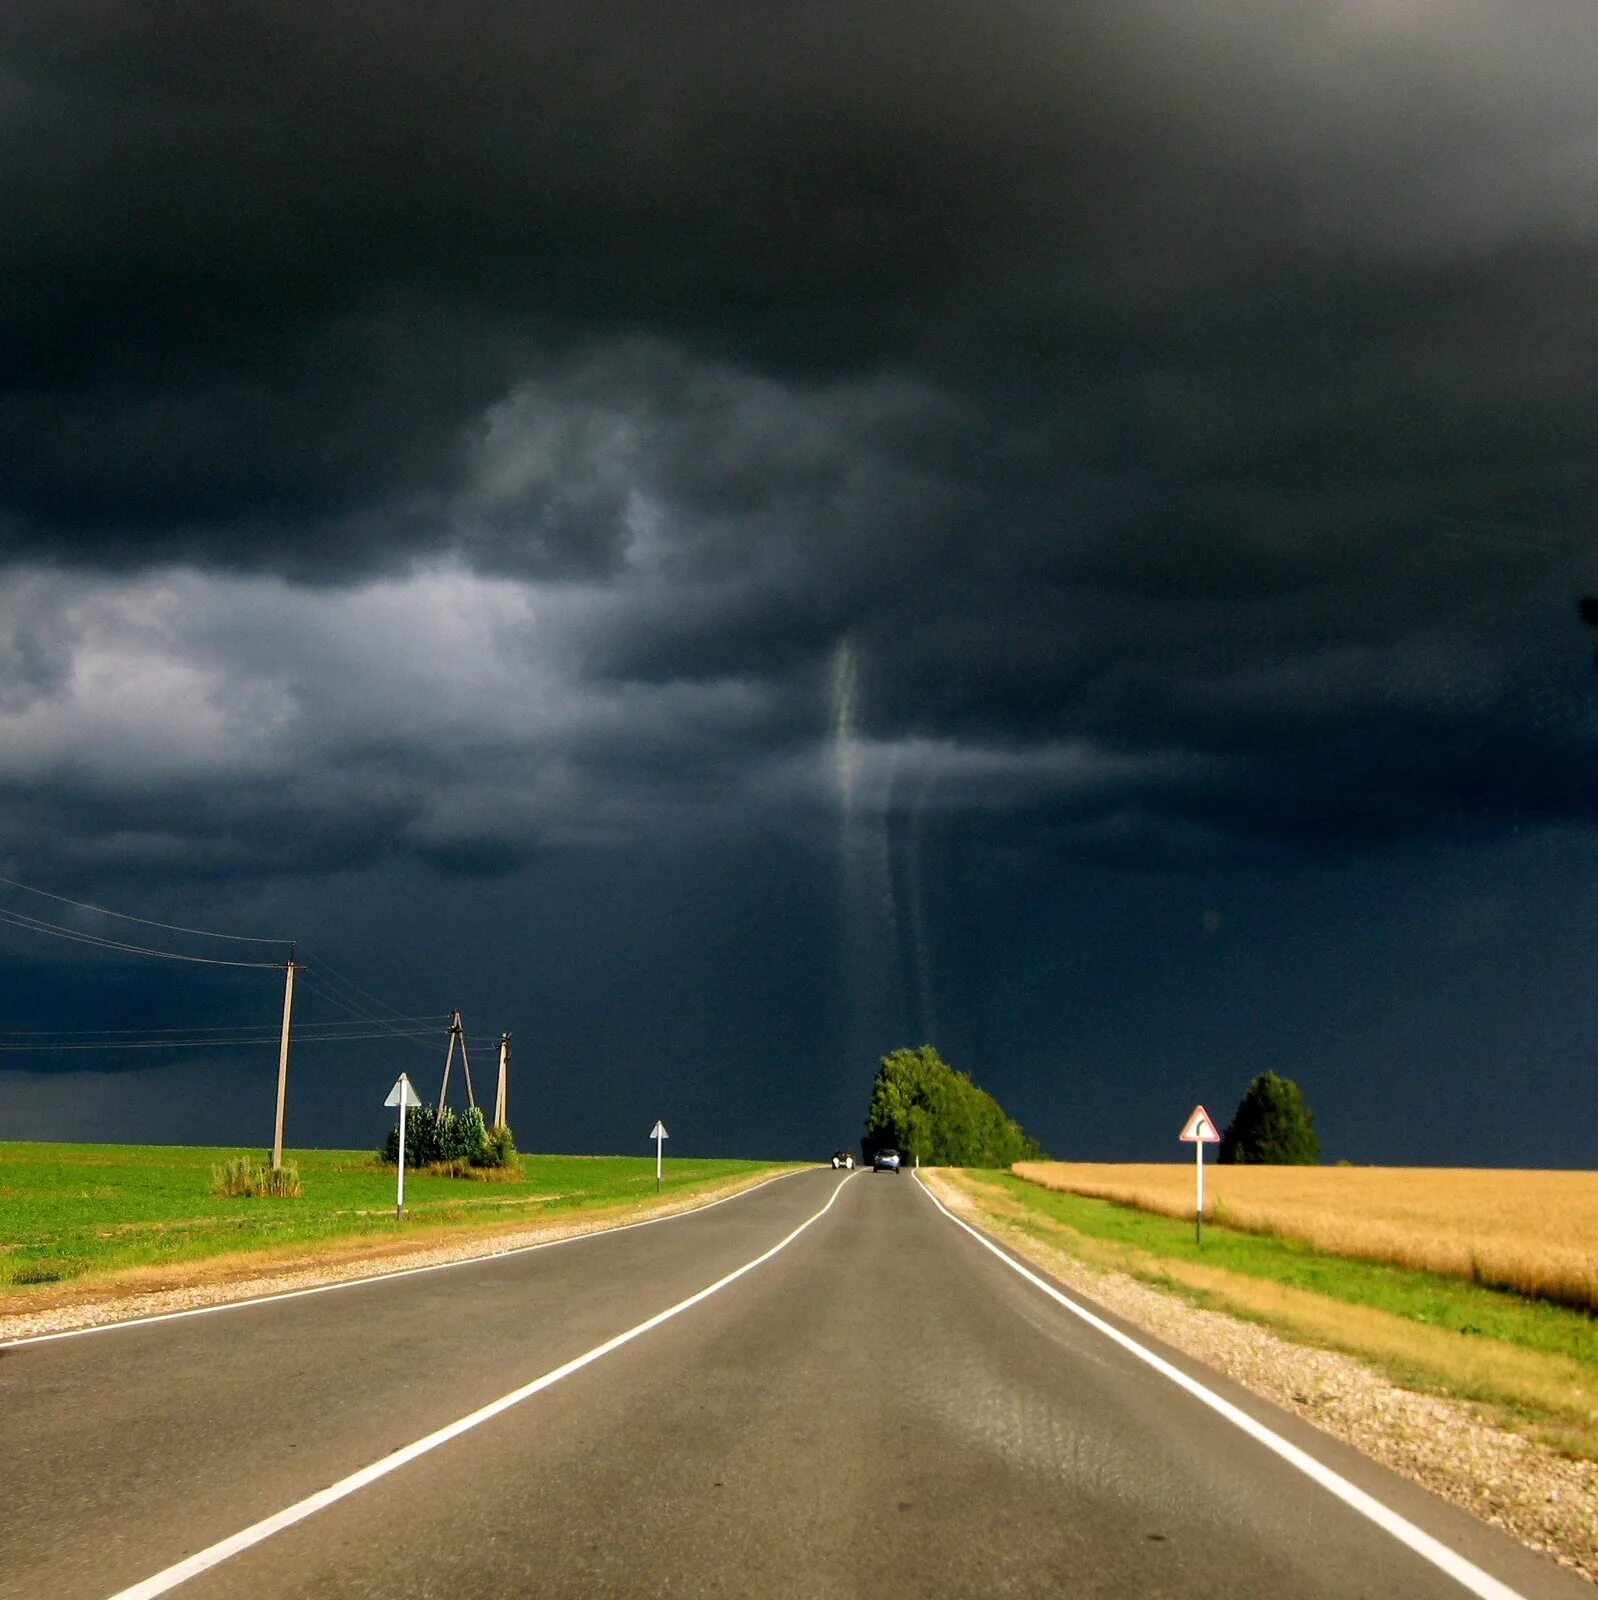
{"x":1198,"y":1131}
{"x":658,"y":1134}
{"x":399,"y":1201}
{"x":403,"y":1096}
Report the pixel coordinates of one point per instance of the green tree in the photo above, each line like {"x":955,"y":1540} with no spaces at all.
{"x":923,"y":1107}
{"x":421,"y":1137}
{"x":1272,"y":1126}
{"x":447,"y":1135}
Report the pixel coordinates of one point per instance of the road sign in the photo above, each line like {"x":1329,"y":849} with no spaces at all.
{"x":1198,"y":1131}
{"x":403,"y":1096}
{"x":657,"y":1133}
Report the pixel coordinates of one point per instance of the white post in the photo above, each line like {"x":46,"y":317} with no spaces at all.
{"x":659,"y":1146}
{"x":283,"y":1063}
{"x":399,"y":1203}
{"x":1198,"y":1156}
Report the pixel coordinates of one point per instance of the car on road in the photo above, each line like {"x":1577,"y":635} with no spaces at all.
{"x":886,"y":1161}
{"x":843,"y":1158}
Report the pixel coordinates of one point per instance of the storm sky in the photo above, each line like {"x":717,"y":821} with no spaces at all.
{"x":723,"y":539}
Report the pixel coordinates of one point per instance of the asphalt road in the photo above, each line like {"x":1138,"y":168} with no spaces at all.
{"x":881,"y":1405}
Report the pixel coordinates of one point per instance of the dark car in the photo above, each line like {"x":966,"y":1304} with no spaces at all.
{"x":843,"y":1158}
{"x":886,"y":1161}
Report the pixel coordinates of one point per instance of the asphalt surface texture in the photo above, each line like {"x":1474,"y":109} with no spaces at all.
{"x":879,"y":1406}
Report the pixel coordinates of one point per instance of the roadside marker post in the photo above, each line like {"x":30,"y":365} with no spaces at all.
{"x":658,"y":1133}
{"x":403,"y":1096}
{"x":1198,"y":1131}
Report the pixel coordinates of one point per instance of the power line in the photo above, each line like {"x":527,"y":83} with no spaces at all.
{"x":148,"y":922}
{"x":344,"y":981}
{"x":323,"y":971}
{"x":206,"y":1044}
{"x":16,"y":919}
{"x":219,"y":1030}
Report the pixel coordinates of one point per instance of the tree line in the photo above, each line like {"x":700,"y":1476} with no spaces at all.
{"x":929,"y":1112}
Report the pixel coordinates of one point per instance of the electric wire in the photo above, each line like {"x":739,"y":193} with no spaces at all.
{"x":325,"y":976}
{"x":148,"y":922}
{"x":428,"y":1018}
{"x":17,"y":919}
{"x":347,"y":983}
{"x":207,"y":1044}
{"x":381,"y":1023}
{"x":418,"y":1037}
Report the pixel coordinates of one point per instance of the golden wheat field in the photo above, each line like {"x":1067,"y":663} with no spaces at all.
{"x":1535,"y":1233}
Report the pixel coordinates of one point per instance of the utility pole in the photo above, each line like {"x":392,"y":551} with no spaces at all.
{"x":501,"y":1115}
{"x":457,"y":1035}
{"x":283,"y":1060}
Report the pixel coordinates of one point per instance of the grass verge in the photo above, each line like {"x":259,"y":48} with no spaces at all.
{"x":71,"y":1213}
{"x":1534,"y":1364}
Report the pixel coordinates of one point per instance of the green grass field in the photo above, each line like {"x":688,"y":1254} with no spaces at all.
{"x":67,"y":1210}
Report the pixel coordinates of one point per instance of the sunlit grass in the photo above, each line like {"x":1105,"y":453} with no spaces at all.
{"x":67,"y":1211}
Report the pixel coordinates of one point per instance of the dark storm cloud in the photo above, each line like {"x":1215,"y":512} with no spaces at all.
{"x":1208,"y":383}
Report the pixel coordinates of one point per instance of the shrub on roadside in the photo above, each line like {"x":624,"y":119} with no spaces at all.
{"x":245,"y":1178}
{"x":421,"y":1138}
{"x":499,"y":1149}
{"x":447,"y":1139}
{"x":462,"y":1135}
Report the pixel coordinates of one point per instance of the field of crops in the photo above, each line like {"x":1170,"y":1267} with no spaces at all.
{"x":1533,"y":1233}
{"x":67,"y":1210}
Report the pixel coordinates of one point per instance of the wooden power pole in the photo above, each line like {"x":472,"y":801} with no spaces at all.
{"x":501,"y":1115}
{"x":283,"y":1061}
{"x":457,"y":1036}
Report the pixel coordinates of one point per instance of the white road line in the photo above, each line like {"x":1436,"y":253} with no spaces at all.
{"x":1463,"y":1572}
{"x":217,"y":1553}
{"x":387,"y":1277}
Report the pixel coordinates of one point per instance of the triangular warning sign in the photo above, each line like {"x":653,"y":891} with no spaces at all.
{"x":1199,"y":1128}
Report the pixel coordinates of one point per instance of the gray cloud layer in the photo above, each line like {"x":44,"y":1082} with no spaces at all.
{"x":1206,"y":389}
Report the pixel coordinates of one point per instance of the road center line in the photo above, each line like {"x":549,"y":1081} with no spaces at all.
{"x":1463,"y":1572}
{"x":386,"y":1277}
{"x":204,"y":1560}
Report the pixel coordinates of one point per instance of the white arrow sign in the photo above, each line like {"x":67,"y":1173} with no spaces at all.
{"x":403,"y":1096}
{"x":657,"y":1133}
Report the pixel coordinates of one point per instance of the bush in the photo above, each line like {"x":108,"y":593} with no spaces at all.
{"x":1272,"y":1126}
{"x":462,"y":1136}
{"x":449,"y":1138}
{"x":421,"y":1138}
{"x":499,"y":1150}
{"x":244,"y":1178}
